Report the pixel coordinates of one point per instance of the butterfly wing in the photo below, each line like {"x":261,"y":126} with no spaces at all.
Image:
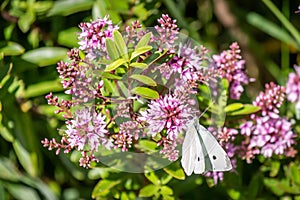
{"x":216,"y":159}
{"x":192,"y":155}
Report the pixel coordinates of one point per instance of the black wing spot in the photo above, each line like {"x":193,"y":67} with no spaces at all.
{"x":214,"y":157}
{"x":198,"y":158}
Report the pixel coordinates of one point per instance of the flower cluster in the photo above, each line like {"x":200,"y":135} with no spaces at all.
{"x":267,"y":133}
{"x":293,"y":87}
{"x":151,"y":91}
{"x":233,"y":69}
{"x":93,"y":36}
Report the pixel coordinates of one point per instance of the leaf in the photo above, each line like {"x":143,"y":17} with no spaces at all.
{"x":42,"y":88}
{"x":111,"y":49}
{"x":246,"y":110}
{"x":115,"y":64}
{"x":234,"y":194}
{"x":45,"y":55}
{"x":103,"y":187}
{"x":139,"y":65}
{"x":147,"y":146}
{"x":28,"y":160}
{"x":151,"y":176}
{"x":144,"y":40}
{"x":22,"y":192}
{"x":175,"y":171}
{"x":68,"y":7}
{"x":12,"y":49}
{"x":120,"y":44}
{"x":68,"y":37}
{"x":270,"y":28}
{"x":25,"y":21}
{"x":145,"y":92}
{"x":233,"y":107}
{"x":8,"y":171}
{"x":165,"y":190}
{"x":144,"y":79}
{"x":140,"y":51}
{"x":110,"y":76}
{"x":148,"y":191}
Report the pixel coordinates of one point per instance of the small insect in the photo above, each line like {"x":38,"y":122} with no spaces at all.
{"x":201,"y":152}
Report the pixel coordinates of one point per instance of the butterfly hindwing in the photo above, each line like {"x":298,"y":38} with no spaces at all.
{"x":216,"y":158}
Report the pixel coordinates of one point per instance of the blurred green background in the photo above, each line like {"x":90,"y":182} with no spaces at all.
{"x":35,"y":35}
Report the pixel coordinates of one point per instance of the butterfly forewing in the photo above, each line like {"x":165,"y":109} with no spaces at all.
{"x":192,"y":155}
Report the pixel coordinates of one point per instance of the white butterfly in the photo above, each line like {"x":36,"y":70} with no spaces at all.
{"x":201,"y":152}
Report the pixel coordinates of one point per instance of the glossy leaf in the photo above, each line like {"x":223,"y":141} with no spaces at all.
{"x":148,"y":191}
{"x":68,"y":7}
{"x":42,"y":88}
{"x":8,"y":171}
{"x":139,"y":65}
{"x":144,"y":40}
{"x":110,"y":76}
{"x":69,"y":37}
{"x":151,"y":176}
{"x":104,"y":186}
{"x":115,"y":64}
{"x":145,"y":92}
{"x":147,"y":146}
{"x":22,"y":192}
{"x":245,"y":110}
{"x":140,"y":51}
{"x":111,"y":49}
{"x":234,"y":107}
{"x":45,"y":55}
{"x":175,"y":171}
{"x":12,"y":49}
{"x":120,"y":44}
{"x":144,"y":79}
{"x":27,"y":159}
{"x":165,"y":190}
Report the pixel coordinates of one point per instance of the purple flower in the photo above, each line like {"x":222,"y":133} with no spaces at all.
{"x":128,"y":132}
{"x":93,"y":35}
{"x":267,"y":133}
{"x":168,"y":112}
{"x":169,"y":148}
{"x":87,"y":131}
{"x":233,"y":69}
{"x":168,"y":33}
{"x":293,"y":87}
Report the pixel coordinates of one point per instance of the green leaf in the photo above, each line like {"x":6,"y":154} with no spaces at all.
{"x":68,"y":7}
{"x":103,"y":187}
{"x":145,"y":92}
{"x":110,"y":76}
{"x":45,"y":55}
{"x":12,"y":49}
{"x":140,"y":51}
{"x":111,"y":49}
{"x":234,"y":194}
{"x":246,"y":110}
{"x":270,"y":28}
{"x":149,"y":191}
{"x":144,"y":40}
{"x":139,"y":65}
{"x":165,"y":190}
{"x":28,"y":160}
{"x":233,"y":107}
{"x":68,"y":37}
{"x":147,"y":146}
{"x":275,"y":167}
{"x":27,"y":19}
{"x":175,"y":171}
{"x":22,"y":192}
{"x":120,"y":44}
{"x":144,"y":79}
{"x":295,"y":173}
{"x":42,"y":88}
{"x":8,"y":171}
{"x":115,"y":64}
{"x":151,"y":176}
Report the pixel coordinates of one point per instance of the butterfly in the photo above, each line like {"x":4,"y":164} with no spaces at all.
{"x":201,"y":152}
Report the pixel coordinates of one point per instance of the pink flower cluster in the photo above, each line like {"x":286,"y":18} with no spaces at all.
{"x":267,"y":133}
